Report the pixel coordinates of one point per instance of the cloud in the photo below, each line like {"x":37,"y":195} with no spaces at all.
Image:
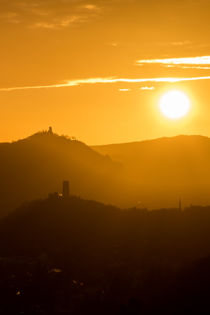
{"x":90,"y":7}
{"x":48,"y":14}
{"x":186,"y":42}
{"x":44,"y":25}
{"x":203,"y":60}
{"x":56,"y":24}
{"x":109,"y":80}
{"x":147,"y":88}
{"x":187,"y":67}
{"x":113,"y":44}
{"x":124,"y":90}
{"x":10,"y":17}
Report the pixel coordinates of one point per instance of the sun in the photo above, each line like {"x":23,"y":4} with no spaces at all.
{"x":174,"y":104}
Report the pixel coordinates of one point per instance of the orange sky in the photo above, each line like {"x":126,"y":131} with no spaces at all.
{"x":80,"y":66}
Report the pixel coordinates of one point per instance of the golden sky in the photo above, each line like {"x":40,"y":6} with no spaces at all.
{"x":97,"y":69}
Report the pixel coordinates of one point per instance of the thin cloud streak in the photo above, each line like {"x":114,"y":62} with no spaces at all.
{"x":112,"y":80}
{"x":147,"y":88}
{"x":187,"y":67}
{"x":203,"y":60}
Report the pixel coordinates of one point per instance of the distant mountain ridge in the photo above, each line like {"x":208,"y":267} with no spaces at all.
{"x":117,"y":150}
{"x":164,"y":169}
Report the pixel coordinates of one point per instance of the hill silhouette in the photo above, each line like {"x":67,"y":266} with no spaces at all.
{"x":123,"y":174}
{"x":33,"y":167}
{"x":166,"y":168}
{"x":83,"y":257}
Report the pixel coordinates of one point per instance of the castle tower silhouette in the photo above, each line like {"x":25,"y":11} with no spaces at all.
{"x":66,"y":193}
{"x":180,"y":204}
{"x":50,"y":131}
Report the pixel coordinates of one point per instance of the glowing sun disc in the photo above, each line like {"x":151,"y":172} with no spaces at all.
{"x":174,"y":104}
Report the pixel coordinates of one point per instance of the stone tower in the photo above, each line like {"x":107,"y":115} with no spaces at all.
{"x":66,"y":193}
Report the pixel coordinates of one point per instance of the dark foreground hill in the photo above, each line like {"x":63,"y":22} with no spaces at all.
{"x":165,"y":168}
{"x":33,"y":167}
{"x":82,"y":257}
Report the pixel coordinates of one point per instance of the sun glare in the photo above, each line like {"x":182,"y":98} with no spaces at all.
{"x":174,"y":104}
